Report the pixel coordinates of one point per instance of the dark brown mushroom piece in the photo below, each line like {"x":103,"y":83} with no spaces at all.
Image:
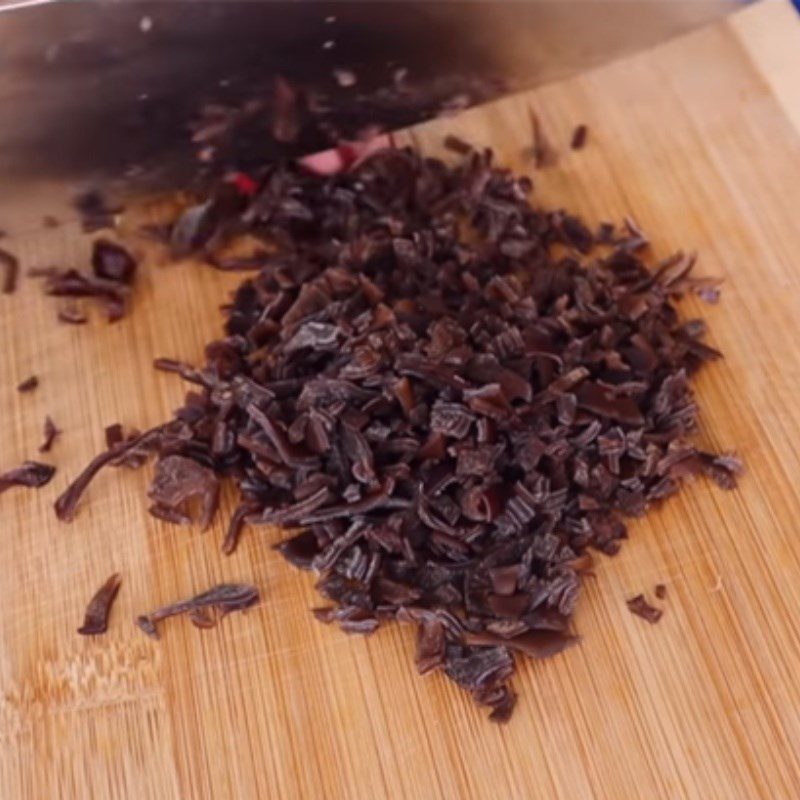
{"x":178,"y":481}
{"x":31,"y":474}
{"x":70,"y":283}
{"x":638,"y":605}
{"x":579,"y":136}
{"x":50,"y":432}
{"x":96,"y":618}
{"x":219,"y":600}
{"x":112,"y":262}
{"x":29,"y":384}
{"x":10,"y":266}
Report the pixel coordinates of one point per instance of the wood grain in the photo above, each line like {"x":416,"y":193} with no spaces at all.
{"x":700,"y":139}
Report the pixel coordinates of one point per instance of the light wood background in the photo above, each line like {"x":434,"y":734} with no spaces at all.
{"x":700,"y":139}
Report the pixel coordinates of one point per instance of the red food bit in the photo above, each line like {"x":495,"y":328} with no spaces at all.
{"x":244,"y":183}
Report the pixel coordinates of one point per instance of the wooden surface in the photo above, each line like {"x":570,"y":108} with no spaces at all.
{"x":700,"y":139}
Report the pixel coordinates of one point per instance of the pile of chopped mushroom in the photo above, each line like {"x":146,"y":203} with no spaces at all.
{"x":449,"y":396}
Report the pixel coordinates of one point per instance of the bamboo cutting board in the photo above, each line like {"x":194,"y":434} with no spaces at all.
{"x":700,"y":139}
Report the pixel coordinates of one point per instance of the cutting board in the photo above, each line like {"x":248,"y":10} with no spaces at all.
{"x":700,"y":140}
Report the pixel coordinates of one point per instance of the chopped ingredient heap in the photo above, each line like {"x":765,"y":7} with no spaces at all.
{"x":450,"y":394}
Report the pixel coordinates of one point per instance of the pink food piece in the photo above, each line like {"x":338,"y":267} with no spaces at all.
{"x":346,"y":155}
